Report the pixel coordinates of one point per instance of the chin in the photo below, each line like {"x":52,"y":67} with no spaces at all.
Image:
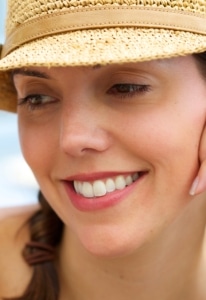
{"x":110,"y":245}
{"x":108,"y":251}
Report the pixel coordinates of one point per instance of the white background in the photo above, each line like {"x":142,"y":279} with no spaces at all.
{"x":17,"y":184}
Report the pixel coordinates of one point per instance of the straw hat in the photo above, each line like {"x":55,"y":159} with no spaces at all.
{"x":88,"y":32}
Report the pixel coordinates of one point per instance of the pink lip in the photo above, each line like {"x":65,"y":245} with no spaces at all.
{"x":96,"y":176}
{"x":92,"y":204}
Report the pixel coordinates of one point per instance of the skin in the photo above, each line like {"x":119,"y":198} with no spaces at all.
{"x":140,"y":245}
{"x":14,"y":235}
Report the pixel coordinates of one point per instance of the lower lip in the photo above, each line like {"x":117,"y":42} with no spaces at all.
{"x":91,"y":204}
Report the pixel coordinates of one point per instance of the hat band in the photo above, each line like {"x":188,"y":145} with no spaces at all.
{"x":101,"y":17}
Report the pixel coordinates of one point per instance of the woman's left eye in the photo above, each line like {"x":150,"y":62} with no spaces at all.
{"x":124,"y":90}
{"x":36,"y":101}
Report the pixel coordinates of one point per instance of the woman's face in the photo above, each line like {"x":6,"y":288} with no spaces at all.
{"x":114,"y":148}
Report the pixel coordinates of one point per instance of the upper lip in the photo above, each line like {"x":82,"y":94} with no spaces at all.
{"x":99,"y":175}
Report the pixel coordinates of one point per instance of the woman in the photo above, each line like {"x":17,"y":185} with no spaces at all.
{"x":111,"y":106}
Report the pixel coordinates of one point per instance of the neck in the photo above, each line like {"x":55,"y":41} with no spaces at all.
{"x":168,"y":267}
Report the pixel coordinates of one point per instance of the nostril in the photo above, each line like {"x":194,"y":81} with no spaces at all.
{"x":80,"y":141}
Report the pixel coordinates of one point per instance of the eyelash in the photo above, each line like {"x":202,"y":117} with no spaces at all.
{"x":128,"y":90}
{"x":31,"y":101}
{"x":120,"y":90}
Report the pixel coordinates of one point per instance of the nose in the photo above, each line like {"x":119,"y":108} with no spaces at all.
{"x":81,"y":133}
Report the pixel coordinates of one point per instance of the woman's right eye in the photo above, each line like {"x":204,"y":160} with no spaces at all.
{"x":128,"y":90}
{"x":36,"y":101}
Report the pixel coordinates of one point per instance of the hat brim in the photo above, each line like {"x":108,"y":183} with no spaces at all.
{"x":91,"y":47}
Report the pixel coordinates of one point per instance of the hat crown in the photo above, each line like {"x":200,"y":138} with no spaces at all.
{"x":20,"y":12}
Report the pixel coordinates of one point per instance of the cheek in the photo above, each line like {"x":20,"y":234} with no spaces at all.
{"x":167,"y":137}
{"x":37,"y":144}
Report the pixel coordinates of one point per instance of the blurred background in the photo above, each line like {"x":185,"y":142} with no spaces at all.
{"x":17,"y":184}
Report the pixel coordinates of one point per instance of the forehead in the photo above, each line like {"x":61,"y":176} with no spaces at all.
{"x":160,"y":66}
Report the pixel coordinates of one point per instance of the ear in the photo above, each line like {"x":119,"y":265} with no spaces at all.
{"x":199,"y":184}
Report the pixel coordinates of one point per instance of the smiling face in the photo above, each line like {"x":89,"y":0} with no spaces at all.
{"x":114,"y":148}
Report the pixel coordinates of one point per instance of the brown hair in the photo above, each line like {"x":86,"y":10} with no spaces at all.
{"x":47,"y":228}
{"x":201,"y":62}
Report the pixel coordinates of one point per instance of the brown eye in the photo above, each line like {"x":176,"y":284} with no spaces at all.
{"x":36,"y":101}
{"x":127,"y":89}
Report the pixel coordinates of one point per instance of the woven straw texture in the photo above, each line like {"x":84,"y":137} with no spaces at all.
{"x":99,"y":45}
{"x":21,"y":11}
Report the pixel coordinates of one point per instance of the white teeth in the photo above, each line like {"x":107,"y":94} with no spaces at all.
{"x":76,"y":186}
{"x":120,"y":182}
{"x":100,"y":188}
{"x":110,"y":185}
{"x":87,"y":190}
{"x":128,"y":180}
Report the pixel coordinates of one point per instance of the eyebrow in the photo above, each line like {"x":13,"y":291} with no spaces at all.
{"x":34,"y":73}
{"x":98,"y":66}
{"x":31,"y":73}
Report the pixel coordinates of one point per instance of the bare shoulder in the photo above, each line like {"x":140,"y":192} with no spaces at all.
{"x":18,"y":212}
{"x":11,"y":220}
{"x":14,"y":234}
